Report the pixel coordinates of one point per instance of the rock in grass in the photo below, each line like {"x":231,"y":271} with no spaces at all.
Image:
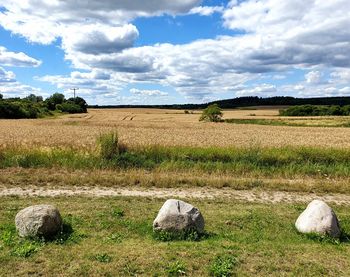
{"x":319,"y":218}
{"x":178,"y":216}
{"x":38,"y":221}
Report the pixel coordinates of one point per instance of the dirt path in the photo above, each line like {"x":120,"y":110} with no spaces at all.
{"x":203,"y":193}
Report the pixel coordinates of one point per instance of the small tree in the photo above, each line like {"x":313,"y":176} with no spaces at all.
{"x":1,"y":96}
{"x":212,"y":113}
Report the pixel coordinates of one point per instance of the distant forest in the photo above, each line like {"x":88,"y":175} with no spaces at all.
{"x":244,"y":102}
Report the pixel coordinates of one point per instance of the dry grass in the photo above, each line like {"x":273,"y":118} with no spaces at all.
{"x":48,"y":178}
{"x":166,"y":127}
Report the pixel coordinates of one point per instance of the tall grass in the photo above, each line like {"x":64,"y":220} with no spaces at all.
{"x":284,"y":161}
{"x":109,"y":144}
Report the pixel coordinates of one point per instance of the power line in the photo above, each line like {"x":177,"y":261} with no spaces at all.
{"x":74,"y":90}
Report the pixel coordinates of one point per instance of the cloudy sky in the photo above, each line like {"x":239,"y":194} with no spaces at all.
{"x":179,"y":51}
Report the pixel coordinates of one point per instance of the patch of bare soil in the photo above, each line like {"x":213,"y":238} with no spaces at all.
{"x":257,"y":196}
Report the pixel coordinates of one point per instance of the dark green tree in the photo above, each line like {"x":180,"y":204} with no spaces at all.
{"x":80,"y":102}
{"x":55,"y":99}
{"x":212,"y":113}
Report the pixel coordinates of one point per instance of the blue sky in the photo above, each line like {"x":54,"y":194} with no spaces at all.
{"x":181,"y":51}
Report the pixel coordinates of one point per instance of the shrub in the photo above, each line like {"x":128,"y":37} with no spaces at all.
{"x":17,"y":109}
{"x":69,"y":107}
{"x":212,"y":113}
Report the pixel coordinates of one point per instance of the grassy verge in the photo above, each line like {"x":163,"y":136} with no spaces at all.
{"x":49,"y":178}
{"x":292,"y":122}
{"x":113,"y":237}
{"x":254,"y":161}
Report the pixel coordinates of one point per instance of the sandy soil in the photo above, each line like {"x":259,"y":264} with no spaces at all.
{"x":240,"y":195}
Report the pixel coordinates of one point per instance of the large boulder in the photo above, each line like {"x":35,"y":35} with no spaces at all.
{"x":176,"y":216}
{"x":319,"y":218}
{"x":38,"y":221}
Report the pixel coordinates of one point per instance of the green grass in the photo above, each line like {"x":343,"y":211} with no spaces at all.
{"x":251,"y":161}
{"x":248,"y":239}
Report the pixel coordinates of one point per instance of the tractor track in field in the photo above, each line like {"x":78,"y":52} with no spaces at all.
{"x":257,"y":196}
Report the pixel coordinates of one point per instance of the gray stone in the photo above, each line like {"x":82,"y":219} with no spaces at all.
{"x":176,"y":215}
{"x":38,"y":221}
{"x":319,"y":218}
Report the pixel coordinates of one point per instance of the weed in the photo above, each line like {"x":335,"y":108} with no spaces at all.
{"x":115,"y":238}
{"x":176,"y":268}
{"x":25,"y":248}
{"x":102,"y":258}
{"x":343,"y":238}
{"x":7,"y":237}
{"x":223,"y":266}
{"x":68,"y":235}
{"x":130,"y":269}
{"x":117,"y":212}
{"x":189,"y":235}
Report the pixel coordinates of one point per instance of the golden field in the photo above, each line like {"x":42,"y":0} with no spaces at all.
{"x":167,"y":127}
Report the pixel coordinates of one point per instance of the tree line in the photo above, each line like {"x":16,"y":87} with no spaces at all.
{"x":245,"y":102}
{"x":316,"y":110}
{"x":34,"y":106}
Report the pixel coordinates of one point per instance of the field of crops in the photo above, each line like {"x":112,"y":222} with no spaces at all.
{"x":251,"y":177}
{"x":171,"y":127}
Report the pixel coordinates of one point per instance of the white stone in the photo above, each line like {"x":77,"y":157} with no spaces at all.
{"x":176,"y":215}
{"x":38,"y":221}
{"x":319,"y":218}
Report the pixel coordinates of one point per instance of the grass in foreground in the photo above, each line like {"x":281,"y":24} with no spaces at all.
{"x":113,"y":237}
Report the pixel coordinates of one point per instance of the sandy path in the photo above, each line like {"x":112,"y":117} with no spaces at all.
{"x":203,"y":193}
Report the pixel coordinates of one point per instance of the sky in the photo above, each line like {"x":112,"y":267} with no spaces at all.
{"x":179,"y":51}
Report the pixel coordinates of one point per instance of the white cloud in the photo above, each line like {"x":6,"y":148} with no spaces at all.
{"x":206,"y":10}
{"x":6,"y":77}
{"x":278,"y":37}
{"x":345,"y":90}
{"x":313,"y":77}
{"x":262,"y":90}
{"x":8,"y":58}
{"x":44,"y":21}
{"x":341,"y":75}
{"x":99,"y":39}
{"x":148,"y":92}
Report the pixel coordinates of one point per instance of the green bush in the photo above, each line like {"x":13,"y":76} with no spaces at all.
{"x":69,"y":107}
{"x":212,"y":113}
{"x":18,"y":109}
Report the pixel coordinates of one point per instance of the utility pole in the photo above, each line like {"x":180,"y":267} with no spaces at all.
{"x":74,"y":90}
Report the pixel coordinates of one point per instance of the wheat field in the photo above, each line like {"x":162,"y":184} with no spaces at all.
{"x":165,"y":127}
